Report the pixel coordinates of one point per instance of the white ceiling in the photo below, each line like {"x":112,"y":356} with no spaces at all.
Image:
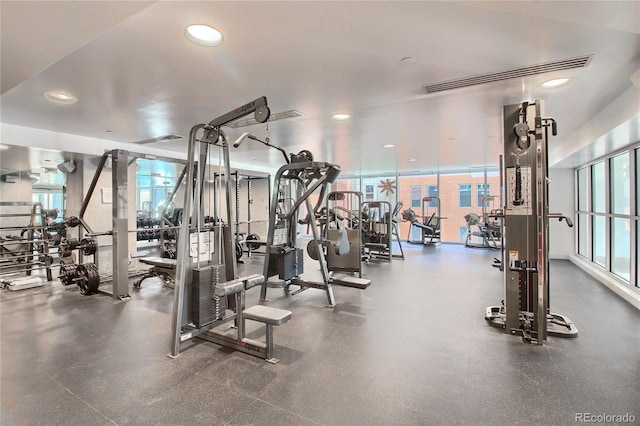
{"x":137,"y":76}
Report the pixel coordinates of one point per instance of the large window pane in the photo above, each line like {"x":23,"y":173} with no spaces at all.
{"x":620,"y":191}
{"x":583,"y":189}
{"x":346,"y":184}
{"x":381,"y":188}
{"x":450,"y":197}
{"x":599,"y":240}
{"x":412,"y":199}
{"x":583,"y":235}
{"x":621,"y":248}
{"x":599,"y":190}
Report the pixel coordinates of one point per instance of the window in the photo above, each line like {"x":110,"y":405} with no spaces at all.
{"x":620,"y":192}
{"x":463,"y":234}
{"x":608,"y":233}
{"x":620,"y":248}
{"x":599,"y":189}
{"x":346,"y":184}
{"x":583,"y":189}
{"x":432,"y":191}
{"x":482,"y":191}
{"x":50,"y":198}
{"x":412,"y":198}
{"x":416,"y":196}
{"x":455,"y":190}
{"x":599,"y":240}
{"x":584,"y":242}
{"x":368,"y":193}
{"x":583,"y":235}
{"x":465,"y":195}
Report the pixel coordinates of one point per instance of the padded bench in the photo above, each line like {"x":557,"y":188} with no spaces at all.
{"x":269,"y":317}
{"x":161,"y":267}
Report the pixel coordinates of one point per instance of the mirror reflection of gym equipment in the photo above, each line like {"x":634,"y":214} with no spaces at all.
{"x":526,"y":308}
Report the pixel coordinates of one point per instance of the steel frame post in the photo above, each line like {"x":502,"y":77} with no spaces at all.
{"x":120,"y":205}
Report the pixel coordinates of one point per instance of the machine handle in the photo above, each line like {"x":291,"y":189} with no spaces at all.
{"x":561,"y":217}
{"x":240,"y":139}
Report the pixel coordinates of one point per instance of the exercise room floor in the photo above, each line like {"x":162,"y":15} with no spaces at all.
{"x":413,"y":348}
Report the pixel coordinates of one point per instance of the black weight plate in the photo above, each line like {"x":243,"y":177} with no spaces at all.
{"x":83,"y":279}
{"x":312,"y":250}
{"x":238,"y":250}
{"x":93,"y":275}
{"x":250,"y":245}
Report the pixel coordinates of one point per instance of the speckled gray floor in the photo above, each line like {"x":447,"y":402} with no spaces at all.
{"x":412,"y":349}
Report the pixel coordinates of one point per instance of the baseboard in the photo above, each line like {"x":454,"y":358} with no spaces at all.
{"x":622,"y":289}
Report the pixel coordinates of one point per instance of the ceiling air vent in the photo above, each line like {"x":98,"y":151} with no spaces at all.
{"x":565,"y":64}
{"x":159,"y":139}
{"x":272,"y":117}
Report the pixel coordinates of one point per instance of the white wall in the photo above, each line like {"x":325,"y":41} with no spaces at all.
{"x":561,"y":200}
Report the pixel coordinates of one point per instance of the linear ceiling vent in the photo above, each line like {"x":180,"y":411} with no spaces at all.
{"x":272,"y":117}
{"x":565,"y":64}
{"x":159,"y":139}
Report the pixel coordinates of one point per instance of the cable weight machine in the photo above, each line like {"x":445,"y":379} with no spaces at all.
{"x":207,"y":286}
{"x":525,"y":310}
{"x":294,"y":183}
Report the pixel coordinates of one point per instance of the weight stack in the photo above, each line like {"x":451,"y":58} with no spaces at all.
{"x":206,"y":307}
{"x":287,"y":265}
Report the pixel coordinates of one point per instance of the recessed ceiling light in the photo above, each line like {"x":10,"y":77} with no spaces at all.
{"x":407,"y":60}
{"x":341,"y":117}
{"x":109,"y":131}
{"x":203,"y":35}
{"x":60,"y":97}
{"x":556,"y":82}
{"x":388,"y":145}
{"x":412,"y":159}
{"x":3,"y":147}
